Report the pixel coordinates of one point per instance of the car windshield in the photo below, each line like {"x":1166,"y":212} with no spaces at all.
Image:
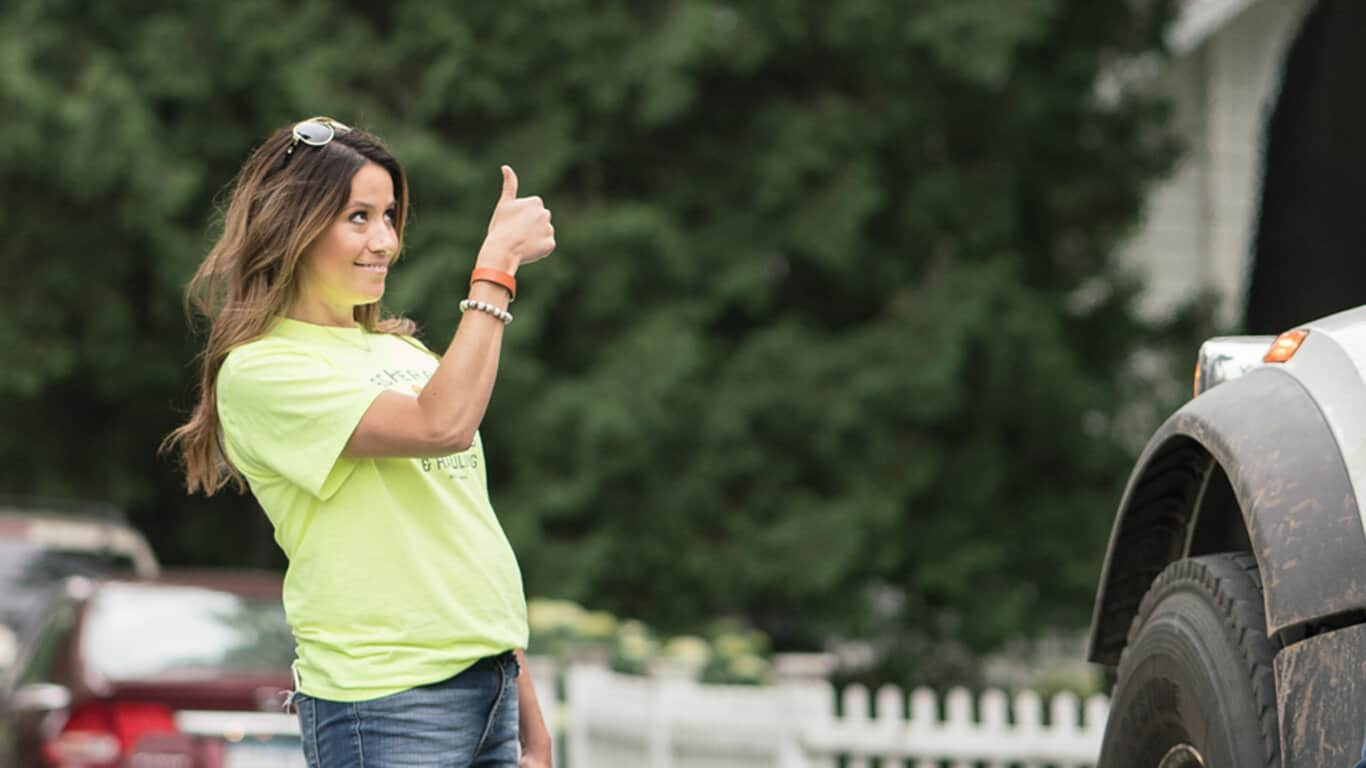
{"x":26,"y":564}
{"x":149,"y":631}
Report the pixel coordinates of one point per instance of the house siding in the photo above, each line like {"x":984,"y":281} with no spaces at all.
{"x":1197,"y":229}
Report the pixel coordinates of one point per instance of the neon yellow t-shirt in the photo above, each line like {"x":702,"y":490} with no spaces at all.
{"x":399,"y":572}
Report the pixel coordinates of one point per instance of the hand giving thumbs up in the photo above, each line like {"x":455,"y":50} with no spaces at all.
{"x":519,"y":231}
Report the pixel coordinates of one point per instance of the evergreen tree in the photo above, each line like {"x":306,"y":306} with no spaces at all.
{"x":834,"y":340}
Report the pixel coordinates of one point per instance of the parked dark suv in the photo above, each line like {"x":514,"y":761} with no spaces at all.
{"x":43,"y":541}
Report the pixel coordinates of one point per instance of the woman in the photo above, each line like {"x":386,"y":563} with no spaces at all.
{"x":363,"y":449}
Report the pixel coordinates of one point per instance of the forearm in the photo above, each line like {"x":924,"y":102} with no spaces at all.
{"x":457,"y":396}
{"x":446,"y":414}
{"x":535,"y":736}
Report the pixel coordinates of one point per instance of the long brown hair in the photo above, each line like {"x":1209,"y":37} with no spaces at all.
{"x":281,"y":202}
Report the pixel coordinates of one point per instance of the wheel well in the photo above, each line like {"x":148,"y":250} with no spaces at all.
{"x":1218,"y":524}
{"x":1182,"y":503}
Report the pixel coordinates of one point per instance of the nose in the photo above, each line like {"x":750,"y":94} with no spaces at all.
{"x":384,"y":239}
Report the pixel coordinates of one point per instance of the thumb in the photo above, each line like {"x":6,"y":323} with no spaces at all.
{"x":509,"y":183}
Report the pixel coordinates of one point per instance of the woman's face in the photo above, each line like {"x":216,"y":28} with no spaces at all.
{"x":347,"y":264}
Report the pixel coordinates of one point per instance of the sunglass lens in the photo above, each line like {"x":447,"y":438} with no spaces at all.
{"x":313,"y":133}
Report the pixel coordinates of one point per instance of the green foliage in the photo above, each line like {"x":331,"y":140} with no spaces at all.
{"x":812,"y":334}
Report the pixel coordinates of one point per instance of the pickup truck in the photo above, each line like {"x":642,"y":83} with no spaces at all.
{"x":1231,"y":610}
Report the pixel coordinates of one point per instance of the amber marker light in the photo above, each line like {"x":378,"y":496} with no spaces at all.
{"x":1197,"y":379}
{"x":1285,"y":346}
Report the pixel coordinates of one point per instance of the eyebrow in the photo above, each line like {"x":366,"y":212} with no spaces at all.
{"x":364,"y":204}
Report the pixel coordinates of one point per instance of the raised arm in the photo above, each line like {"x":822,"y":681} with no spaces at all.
{"x":443,"y":419}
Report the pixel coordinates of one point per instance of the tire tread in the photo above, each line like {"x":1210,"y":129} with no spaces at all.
{"x":1234,"y":583}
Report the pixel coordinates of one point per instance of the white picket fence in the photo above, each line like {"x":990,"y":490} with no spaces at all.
{"x":610,"y":720}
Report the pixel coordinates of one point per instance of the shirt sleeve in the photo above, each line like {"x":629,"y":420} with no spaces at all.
{"x":290,"y":413}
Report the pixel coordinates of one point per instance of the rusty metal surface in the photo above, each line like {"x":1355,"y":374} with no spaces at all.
{"x":1291,"y":484}
{"x":1321,"y":687}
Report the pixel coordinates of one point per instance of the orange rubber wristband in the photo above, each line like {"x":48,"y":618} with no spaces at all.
{"x":497,"y":277}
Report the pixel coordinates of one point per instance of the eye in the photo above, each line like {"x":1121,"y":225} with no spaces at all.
{"x":390,"y":214}
{"x":357,"y":218}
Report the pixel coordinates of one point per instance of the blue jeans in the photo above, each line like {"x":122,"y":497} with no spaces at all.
{"x":468,"y":721}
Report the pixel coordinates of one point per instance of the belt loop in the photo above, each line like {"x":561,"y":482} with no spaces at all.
{"x":294,"y":675}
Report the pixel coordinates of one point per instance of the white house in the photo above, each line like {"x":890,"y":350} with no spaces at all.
{"x":1224,"y":79}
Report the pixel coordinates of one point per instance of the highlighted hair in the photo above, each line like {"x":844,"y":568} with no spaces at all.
{"x":279,"y":205}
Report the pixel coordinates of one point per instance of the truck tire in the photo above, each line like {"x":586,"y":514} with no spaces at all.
{"x":1195,"y":685}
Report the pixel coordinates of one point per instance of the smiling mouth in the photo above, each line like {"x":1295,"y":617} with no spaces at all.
{"x":380,"y":268}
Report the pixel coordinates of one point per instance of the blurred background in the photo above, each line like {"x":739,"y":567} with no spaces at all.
{"x":860,"y":313}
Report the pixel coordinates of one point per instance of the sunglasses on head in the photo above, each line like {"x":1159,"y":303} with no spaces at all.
{"x":315,"y":132}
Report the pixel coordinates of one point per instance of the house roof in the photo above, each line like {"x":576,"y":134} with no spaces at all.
{"x":1198,"y":19}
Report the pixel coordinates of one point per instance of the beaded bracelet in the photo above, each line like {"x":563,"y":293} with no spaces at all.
{"x":482,"y":306}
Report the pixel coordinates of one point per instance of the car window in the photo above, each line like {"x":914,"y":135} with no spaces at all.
{"x":152,"y":631}
{"x":26,"y":564}
{"x":110,"y":547}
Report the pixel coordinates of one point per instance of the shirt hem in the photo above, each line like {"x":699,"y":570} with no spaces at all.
{"x":354,"y":695}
